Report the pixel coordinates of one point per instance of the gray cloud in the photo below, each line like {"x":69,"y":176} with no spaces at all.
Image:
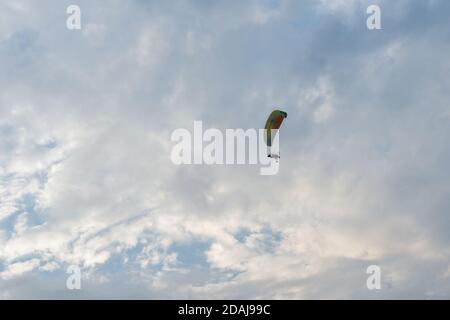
{"x":85,"y":170}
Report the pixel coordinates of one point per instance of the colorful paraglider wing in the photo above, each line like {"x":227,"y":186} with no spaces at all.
{"x":273,"y":123}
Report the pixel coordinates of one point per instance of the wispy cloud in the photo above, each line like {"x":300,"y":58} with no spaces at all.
{"x":85,"y":170}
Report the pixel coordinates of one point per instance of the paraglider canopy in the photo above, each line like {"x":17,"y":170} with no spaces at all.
{"x":274,"y":122}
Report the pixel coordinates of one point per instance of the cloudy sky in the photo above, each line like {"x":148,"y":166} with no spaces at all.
{"x":86,"y":178}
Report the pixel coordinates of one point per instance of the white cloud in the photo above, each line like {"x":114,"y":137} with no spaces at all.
{"x":19,"y":268}
{"x":85,"y":174}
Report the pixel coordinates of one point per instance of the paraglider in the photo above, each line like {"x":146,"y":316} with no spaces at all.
{"x":273,"y":123}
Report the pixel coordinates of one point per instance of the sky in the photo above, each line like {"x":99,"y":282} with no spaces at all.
{"x":86,"y":179}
